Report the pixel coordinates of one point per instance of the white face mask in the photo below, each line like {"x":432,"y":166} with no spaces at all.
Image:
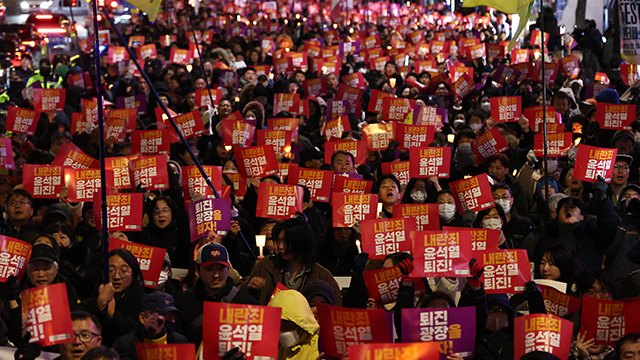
{"x":476,"y":127}
{"x":289,"y":338}
{"x":486,"y":106}
{"x":505,"y":204}
{"x":164,"y":276}
{"x":447,"y":211}
{"x":457,"y":122}
{"x":495,"y":224}
{"x":552,"y":165}
{"x":418,"y":196}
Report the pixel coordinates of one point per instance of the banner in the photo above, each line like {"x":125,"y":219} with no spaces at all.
{"x":165,"y":351}
{"x":336,"y":109}
{"x":315,"y":87}
{"x":375,"y":102}
{"x":138,"y":102}
{"x":400,"y":169}
{"x":83,"y":184}
{"x":482,"y":240}
{"x":151,"y":259}
{"x":396,"y":109}
{"x":149,"y":172}
{"x":431,"y":161}
{"x":254,"y":329}
{"x":335,"y":128}
{"x":209,"y":216}
{"x":22,"y":120}
{"x":194,"y":183}
{"x":383,"y":284}
{"x":6,"y":154}
{"x":377,"y":136}
{"x":285,"y":102}
{"x":593,"y":162}
{"x":558,"y":303}
{"x":557,"y":144}
{"x":239,"y":184}
{"x":342,"y":327}
{"x":280,"y":140}
{"x":287,"y":124}
{"x":394,"y":351}
{"x":463,"y":86}
{"x":357,"y":148}
{"x":14,"y":257}
{"x":279,"y":201}
{"x":47,"y":100}
{"x":257,"y":161}
{"x":118,"y":174}
{"x":45,"y":313}
{"x":427,"y":216}
{"x":506,"y":108}
{"x":381,"y":237}
{"x":203,"y":99}
{"x":505,"y":271}
{"x":237,"y":133}
{"x":453,"y":329}
{"x":541,"y":332}
{"x":615,"y":116}
{"x":317,"y":181}
{"x":179,"y":56}
{"x":124,"y":211}
{"x":473,"y":193}
{"x":42,"y":181}
{"x":414,"y":136}
{"x":71,"y":155}
{"x":441,"y":253}
{"x":488,"y":144}
{"x":348,"y":209}
{"x":348,"y":185}
{"x":429,"y":115}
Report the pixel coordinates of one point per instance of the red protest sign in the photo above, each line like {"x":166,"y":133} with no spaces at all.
{"x":14,"y":255}
{"x":147,"y":52}
{"x":615,"y":116}
{"x":46,"y":100}
{"x":117,"y":53}
{"x":570,"y":66}
{"x":165,"y":351}
{"x":279,"y":201}
{"x":317,"y":181}
{"x":254,"y":329}
{"x":46,"y":315}
{"x":557,"y":144}
{"x":535,"y":116}
{"x":42,"y":181}
{"x":284,"y":66}
{"x":357,"y":148}
{"x":257,"y":161}
{"x":280,"y":140}
{"x":179,"y":56}
{"x":288,"y":124}
{"x":457,"y":71}
{"x":150,"y":259}
{"x":203,"y":99}
{"x":541,"y":332}
{"x":299,"y":61}
{"x":412,"y":136}
{"x":118,"y":176}
{"x":519,"y":56}
{"x":285,"y":102}
{"x":400,"y":169}
{"x":506,"y":108}
{"x":381,"y":237}
{"x":505,"y":271}
{"x":237,"y":133}
{"x":482,"y":240}
{"x":150,"y":142}
{"x":431,"y":161}
{"x":90,"y":109}
{"x":378,"y":135}
{"x":341,"y":327}
{"x":354,"y":80}
{"x":351,"y":208}
{"x":559,"y":303}
{"x":124,"y":212}
{"x":315,"y":87}
{"x":349,"y":93}
{"x":463,"y":86}
{"x":473,"y":193}
{"x":375,"y":102}
{"x":83,"y":184}
{"x":117,"y":126}
{"x":426,"y":215}
{"x":149,"y":172}
{"x":603,"y":320}
{"x":190,"y":125}
{"x":383,"y":284}
{"x":487,"y":144}
{"x":420,"y":350}
{"x":593,"y":162}
{"x":193,"y":182}
{"x":71,"y":155}
{"x":629,"y":73}
{"x":396,"y":109}
{"x":6,"y":154}
{"x":22,"y":120}
{"x":348,"y":185}
{"x":441,"y":253}
{"x":335,"y":128}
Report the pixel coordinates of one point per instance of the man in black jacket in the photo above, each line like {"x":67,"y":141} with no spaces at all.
{"x":213,"y":284}
{"x":157,"y":318}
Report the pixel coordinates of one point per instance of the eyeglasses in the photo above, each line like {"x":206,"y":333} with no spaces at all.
{"x":602,"y":293}
{"x":164,"y":211}
{"x":624,"y":167}
{"x":122,"y":271}
{"x":85,"y":336}
{"x":18,"y":203}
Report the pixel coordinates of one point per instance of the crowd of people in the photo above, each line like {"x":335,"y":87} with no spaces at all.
{"x":582,"y":234}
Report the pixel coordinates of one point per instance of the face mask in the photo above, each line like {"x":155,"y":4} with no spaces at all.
{"x":476,"y":127}
{"x":362,"y":71}
{"x":496,"y":322}
{"x":447,"y":211}
{"x":457,"y":123}
{"x":164,"y":276}
{"x":486,"y":106}
{"x":505,"y":204}
{"x":289,"y":338}
{"x":495,"y":224}
{"x":637,"y":136}
{"x":418,"y":196}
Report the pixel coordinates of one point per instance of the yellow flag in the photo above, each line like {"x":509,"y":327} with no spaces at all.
{"x":520,"y":7}
{"x":151,"y":7}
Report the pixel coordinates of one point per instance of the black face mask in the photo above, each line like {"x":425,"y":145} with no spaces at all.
{"x":45,"y":71}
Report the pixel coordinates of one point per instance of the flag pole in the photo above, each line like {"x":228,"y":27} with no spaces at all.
{"x":173,"y":123}
{"x":103,"y":172}
{"x":204,"y":72}
{"x":544,"y":102}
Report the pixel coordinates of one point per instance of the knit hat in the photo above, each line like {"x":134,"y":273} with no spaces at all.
{"x":627,"y":135}
{"x":319,"y":287}
{"x":609,"y":96}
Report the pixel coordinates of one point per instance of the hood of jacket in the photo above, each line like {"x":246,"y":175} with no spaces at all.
{"x":295,"y":308}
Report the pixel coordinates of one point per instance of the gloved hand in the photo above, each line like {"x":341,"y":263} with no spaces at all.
{"x":469,"y":217}
{"x":361,"y":261}
{"x":476,"y":270}
{"x":592,"y":128}
{"x":531,"y":158}
{"x":233,"y":354}
{"x":406,"y":266}
{"x":531,"y":287}
{"x":599,"y":189}
{"x":10,"y":288}
{"x":26,"y":350}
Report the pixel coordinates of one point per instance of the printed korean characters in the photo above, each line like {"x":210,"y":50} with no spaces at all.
{"x":13,"y":257}
{"x":45,"y":314}
{"x":150,"y":259}
{"x":593,"y":162}
{"x":538,"y":332}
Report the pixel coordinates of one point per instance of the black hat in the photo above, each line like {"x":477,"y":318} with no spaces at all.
{"x":159,"y":302}
{"x":626,"y":158}
{"x":43,"y":252}
{"x":319,"y":287}
{"x":309,"y":154}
